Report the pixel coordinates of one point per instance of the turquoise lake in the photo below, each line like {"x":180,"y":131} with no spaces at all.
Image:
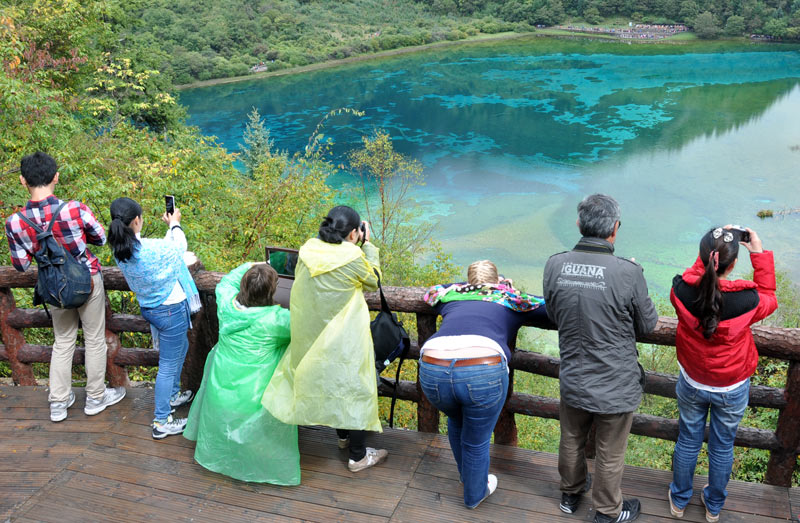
{"x":512,"y":135}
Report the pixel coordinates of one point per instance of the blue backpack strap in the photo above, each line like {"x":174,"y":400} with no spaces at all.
{"x":30,"y":222}
{"x":38,"y":229}
{"x":55,"y":216}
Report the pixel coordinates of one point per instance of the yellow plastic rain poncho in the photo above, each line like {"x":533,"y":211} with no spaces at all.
{"x":235,"y":435}
{"x":327,"y":376}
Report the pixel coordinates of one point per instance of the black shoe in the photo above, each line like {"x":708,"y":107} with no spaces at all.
{"x":631,"y":508}
{"x":569,"y":502}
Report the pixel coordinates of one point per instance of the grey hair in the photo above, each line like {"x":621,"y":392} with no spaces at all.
{"x":597,"y":215}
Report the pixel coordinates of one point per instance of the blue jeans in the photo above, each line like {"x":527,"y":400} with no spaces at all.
{"x":727,"y":409}
{"x":472,"y":398}
{"x":169,"y":323}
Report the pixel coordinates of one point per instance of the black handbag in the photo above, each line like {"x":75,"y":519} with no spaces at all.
{"x":390,"y":341}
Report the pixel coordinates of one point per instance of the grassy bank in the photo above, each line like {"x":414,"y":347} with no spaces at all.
{"x":482,"y":38}
{"x":359,"y":58}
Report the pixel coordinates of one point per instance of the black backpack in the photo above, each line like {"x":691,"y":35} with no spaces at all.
{"x":390,"y":341}
{"x":63,"y":281}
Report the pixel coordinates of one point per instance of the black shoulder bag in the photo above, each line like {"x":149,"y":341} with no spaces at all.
{"x":390,"y":341}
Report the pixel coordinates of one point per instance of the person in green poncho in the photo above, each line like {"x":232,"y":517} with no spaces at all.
{"x":235,"y":435}
{"x":327,"y":376}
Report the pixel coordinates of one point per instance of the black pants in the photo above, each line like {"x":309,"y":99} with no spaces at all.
{"x":357,"y":447}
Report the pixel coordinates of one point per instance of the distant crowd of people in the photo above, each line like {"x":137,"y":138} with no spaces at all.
{"x":274,"y":369}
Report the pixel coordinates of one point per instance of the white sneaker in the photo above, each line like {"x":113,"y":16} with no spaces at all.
{"x":110,"y":397}
{"x":58,"y":409}
{"x":491,"y":486}
{"x":372,"y":458}
{"x":180,"y":399}
{"x":344,"y":443}
{"x":170,"y":427}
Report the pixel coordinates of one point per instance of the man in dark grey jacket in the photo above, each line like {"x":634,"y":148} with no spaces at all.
{"x":599,"y":302}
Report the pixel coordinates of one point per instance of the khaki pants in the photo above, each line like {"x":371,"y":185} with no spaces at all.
{"x":611,"y":439}
{"x":92,"y":315}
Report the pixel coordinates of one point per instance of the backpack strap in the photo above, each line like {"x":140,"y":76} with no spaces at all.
{"x":30,"y":223}
{"x":384,"y":303}
{"x":53,"y":219}
{"x":396,"y":383}
{"x":55,"y":216}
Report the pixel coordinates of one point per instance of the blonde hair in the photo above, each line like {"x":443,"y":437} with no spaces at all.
{"x":482,"y":271}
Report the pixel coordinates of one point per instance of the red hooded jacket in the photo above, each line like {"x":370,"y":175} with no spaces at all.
{"x":730,"y":355}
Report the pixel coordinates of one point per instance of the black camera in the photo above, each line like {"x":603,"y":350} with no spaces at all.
{"x":363,"y":229}
{"x":744,"y":235}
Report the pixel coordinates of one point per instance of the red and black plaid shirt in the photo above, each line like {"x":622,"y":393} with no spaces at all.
{"x":76,"y":226}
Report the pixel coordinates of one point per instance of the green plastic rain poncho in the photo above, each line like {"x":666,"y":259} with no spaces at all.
{"x":235,"y":435}
{"x":327,"y":377}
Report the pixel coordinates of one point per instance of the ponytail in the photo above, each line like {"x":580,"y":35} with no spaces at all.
{"x":121,"y":237}
{"x":709,"y":299}
{"x":717,"y":255}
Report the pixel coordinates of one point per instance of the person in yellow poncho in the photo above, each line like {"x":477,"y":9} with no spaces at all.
{"x":327,"y":376}
{"x":235,"y":435}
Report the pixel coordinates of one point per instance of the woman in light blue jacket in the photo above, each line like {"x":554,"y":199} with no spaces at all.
{"x":155,"y":270}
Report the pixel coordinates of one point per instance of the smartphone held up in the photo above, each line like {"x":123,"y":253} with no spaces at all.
{"x":169,"y":202}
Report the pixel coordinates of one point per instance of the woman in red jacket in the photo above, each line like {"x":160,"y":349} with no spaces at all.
{"x":717,"y":356}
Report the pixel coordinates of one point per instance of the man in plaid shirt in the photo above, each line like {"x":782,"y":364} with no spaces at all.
{"x":75,"y":226}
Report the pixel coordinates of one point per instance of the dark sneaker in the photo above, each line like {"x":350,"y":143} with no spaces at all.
{"x":170,"y":427}
{"x":180,"y":399}
{"x":570,"y":502}
{"x":58,"y":409}
{"x":631,"y":508}
{"x":110,"y":397}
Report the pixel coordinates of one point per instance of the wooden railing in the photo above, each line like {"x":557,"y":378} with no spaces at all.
{"x":783,"y":443}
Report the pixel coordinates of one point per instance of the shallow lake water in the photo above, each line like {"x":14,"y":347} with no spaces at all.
{"x":512,"y":135}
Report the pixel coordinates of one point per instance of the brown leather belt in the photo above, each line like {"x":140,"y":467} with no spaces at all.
{"x":486,"y":360}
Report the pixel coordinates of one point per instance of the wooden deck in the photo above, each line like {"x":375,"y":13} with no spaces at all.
{"x":107,"y":467}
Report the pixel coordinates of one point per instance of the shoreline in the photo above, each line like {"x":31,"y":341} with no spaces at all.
{"x":327,"y":64}
{"x":499,"y":37}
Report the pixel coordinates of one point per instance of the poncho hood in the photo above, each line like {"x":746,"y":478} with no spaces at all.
{"x":321,"y":257}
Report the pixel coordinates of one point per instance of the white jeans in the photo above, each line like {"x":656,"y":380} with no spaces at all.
{"x":92,"y":315}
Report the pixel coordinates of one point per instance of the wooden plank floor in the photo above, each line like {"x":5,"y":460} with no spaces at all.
{"x":108,"y":468}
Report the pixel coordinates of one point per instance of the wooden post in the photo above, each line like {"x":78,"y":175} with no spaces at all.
{"x":117,"y":375}
{"x":782,"y":462}
{"x":427,"y":415}
{"x":505,"y":431}
{"x":202,"y":336}
{"x":13,"y":339}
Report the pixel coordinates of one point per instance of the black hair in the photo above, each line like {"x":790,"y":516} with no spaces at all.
{"x":339,"y":223}
{"x":120,"y":235}
{"x":38,"y":169}
{"x":714,"y":251}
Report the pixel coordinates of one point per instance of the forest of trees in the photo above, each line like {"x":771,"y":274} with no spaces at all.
{"x":204,"y":39}
{"x":73,"y":85}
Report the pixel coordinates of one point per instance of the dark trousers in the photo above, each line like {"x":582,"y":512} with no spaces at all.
{"x":357,"y":447}
{"x":611,"y":440}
